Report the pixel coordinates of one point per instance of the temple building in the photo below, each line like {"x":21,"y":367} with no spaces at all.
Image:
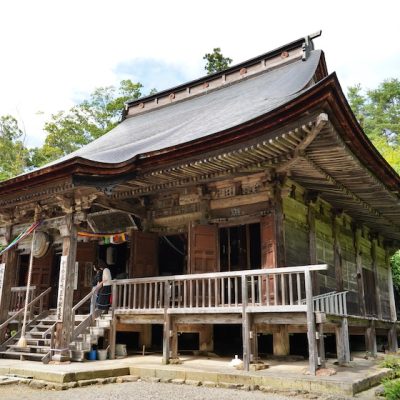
{"x":244,"y":212}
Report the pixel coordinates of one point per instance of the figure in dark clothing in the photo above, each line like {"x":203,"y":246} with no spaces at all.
{"x":104,"y":292}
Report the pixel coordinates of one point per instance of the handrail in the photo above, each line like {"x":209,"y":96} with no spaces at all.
{"x":83,"y":300}
{"x":20,"y":312}
{"x":75,"y":331}
{"x":251,"y":272}
{"x":22,"y":288}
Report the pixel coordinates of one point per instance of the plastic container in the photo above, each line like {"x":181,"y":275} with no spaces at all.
{"x":102,"y":355}
{"x":91,"y":355}
{"x":120,"y":350}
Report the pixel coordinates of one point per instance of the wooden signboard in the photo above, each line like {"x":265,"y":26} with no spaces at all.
{"x":61,"y":287}
{"x":2,"y":272}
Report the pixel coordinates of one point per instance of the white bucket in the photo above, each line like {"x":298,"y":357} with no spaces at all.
{"x":102,"y":355}
{"x":120,"y":350}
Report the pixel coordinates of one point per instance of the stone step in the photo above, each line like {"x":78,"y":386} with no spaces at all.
{"x":23,"y":354}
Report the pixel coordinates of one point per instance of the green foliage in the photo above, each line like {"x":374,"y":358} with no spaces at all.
{"x":69,"y":130}
{"x":395,"y":261}
{"x":12,"y":150}
{"x":391,"y":389}
{"x":216,"y":61}
{"x":378,"y":112}
{"x":393,"y":363}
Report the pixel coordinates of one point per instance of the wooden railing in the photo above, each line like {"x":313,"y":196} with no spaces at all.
{"x":88,"y":321}
{"x":35,"y":307}
{"x":18,"y":295}
{"x":334,"y":303}
{"x":277,"y":289}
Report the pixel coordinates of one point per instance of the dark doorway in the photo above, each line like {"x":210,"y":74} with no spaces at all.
{"x":188,"y":341}
{"x":131,"y":339}
{"x":172,"y":252}
{"x":116,"y":257}
{"x":55,"y":274}
{"x":265,"y":344}
{"x":228,"y":340}
{"x":156,"y":337}
{"x":240,"y":247}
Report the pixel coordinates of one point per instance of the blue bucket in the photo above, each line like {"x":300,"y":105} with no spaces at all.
{"x":92,"y":355}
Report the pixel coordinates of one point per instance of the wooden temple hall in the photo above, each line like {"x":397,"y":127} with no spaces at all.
{"x":244,"y":212}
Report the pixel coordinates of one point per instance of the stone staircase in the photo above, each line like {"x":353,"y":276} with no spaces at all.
{"x":40,"y":331}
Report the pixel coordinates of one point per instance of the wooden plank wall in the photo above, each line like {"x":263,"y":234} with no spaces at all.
{"x":296,"y":232}
{"x":382,"y":272}
{"x":349,"y":266}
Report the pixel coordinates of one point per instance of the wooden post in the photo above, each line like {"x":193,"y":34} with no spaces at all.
{"x":206,"y":338}
{"x":312,"y":243}
{"x":279,"y":229}
{"x":174,"y":339}
{"x":342,"y":342}
{"x":145,"y":336}
{"x":254,"y":341}
{"x":8,"y":271}
{"x":375,"y":271}
{"x":312,"y":348}
{"x":370,"y":339}
{"x":245,"y":325}
{"x":360,"y":280}
{"x":113,"y":330}
{"x":392,"y":333}
{"x":321,"y":345}
{"x":337,"y":252}
{"x":281,"y":346}
{"x":167,"y":323}
{"x":66,"y":286}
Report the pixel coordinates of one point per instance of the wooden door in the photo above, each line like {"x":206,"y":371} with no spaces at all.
{"x":144,"y":254}
{"x":203,"y":249}
{"x":42,"y":273}
{"x":86,"y":256}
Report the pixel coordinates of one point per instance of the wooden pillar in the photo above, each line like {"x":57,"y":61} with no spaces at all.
{"x":312,"y":244}
{"x":66,"y":286}
{"x":206,"y":338}
{"x":312,"y":348}
{"x":360,"y":280}
{"x":281,"y":346}
{"x":392,"y":334}
{"x":254,"y":341}
{"x":245,"y":326}
{"x":370,"y":339}
{"x":337,"y":252}
{"x":145,"y":336}
{"x":279,"y":228}
{"x":113,"y":330}
{"x":167,"y":324}
{"x":343,"y":342}
{"x":174,"y":339}
{"x":375,"y":271}
{"x":8,"y":276}
{"x":321,"y":346}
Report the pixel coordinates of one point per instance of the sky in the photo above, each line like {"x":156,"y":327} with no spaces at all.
{"x":55,"y":52}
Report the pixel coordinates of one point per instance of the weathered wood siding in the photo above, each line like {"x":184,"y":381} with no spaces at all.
{"x":382,"y":272}
{"x":349,"y":267}
{"x":324,"y":244}
{"x":296,"y":232}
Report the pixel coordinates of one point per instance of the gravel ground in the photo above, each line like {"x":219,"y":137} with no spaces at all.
{"x":136,"y":391}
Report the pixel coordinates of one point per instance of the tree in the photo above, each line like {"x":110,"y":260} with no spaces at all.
{"x":378,"y":112}
{"x":395,"y":261}
{"x":69,"y":130}
{"x":216,"y":61}
{"x":12,"y":149}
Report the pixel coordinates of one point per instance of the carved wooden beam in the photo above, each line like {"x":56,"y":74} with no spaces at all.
{"x":121,"y":205}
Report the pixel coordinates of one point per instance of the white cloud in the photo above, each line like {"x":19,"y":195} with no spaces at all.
{"x":52,"y":51}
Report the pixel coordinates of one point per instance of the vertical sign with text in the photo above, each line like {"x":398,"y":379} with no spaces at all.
{"x":61,"y":287}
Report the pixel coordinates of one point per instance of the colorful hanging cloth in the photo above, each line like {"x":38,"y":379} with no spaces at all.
{"x":21,"y":236}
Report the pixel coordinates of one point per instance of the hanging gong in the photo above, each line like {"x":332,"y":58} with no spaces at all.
{"x":41,"y":245}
